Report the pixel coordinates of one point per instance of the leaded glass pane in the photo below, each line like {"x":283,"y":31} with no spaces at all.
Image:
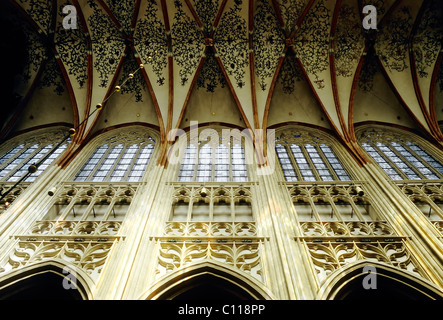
{"x":141,"y":163}
{"x":187,"y":168}
{"x":87,"y":169}
{"x":390,"y":171}
{"x":10,"y":154}
{"x":288,"y":169}
{"x":318,"y":163}
{"x":239,"y":171}
{"x":398,"y":161}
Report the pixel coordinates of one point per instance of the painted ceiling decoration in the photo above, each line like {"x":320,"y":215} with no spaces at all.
{"x":290,"y":73}
{"x":123,"y":11}
{"x":211,"y":77}
{"x":251,"y":49}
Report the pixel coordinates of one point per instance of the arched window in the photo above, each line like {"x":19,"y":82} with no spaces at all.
{"x":16,"y":159}
{"x":122,"y":157}
{"x":400,"y":157}
{"x":305,"y":157}
{"x":224,"y":161}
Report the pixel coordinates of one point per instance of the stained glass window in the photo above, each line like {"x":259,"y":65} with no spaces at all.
{"x":222,"y":163}
{"x":15,"y":162}
{"x":404,"y":160}
{"x":116,"y":162}
{"x":310,"y":162}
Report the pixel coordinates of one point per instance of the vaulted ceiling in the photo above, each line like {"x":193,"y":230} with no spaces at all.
{"x":246,"y":63}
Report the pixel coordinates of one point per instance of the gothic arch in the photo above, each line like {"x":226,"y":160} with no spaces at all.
{"x":401,"y":153}
{"x":307,"y":132}
{"x":31,"y":147}
{"x":45,"y":270}
{"x":392,"y":284}
{"x":125,"y":135}
{"x":172,"y":285}
{"x":302,"y":136}
{"x":382,"y":132}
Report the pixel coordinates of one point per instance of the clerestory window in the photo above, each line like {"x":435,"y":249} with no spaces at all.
{"x":401,"y":158}
{"x":15,"y":161}
{"x":204,"y":162}
{"x":123,"y":157}
{"x":306,"y":158}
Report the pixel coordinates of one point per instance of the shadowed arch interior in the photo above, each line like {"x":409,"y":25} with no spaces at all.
{"x":42,"y":286}
{"x":384,"y":285}
{"x":207,"y":287}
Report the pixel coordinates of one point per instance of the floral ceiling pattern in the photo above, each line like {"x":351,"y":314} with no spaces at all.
{"x":244,"y":46}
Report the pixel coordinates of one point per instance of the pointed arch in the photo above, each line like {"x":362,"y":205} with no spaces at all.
{"x":17,"y":281}
{"x":174,"y":284}
{"x":392,"y":283}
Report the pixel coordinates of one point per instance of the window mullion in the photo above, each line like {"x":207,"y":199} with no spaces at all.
{"x":126,"y":149}
{"x":64,"y":216}
{"x":311,"y":164}
{"x":149,"y":148}
{"x":409,"y":164}
{"x":335,"y":210}
{"x":99,"y":163}
{"x":231,"y":173}
{"x":326,"y":163}
{"x":117,"y":160}
{"x":356,"y":210}
{"x":294,"y":162}
{"x":25,"y":162}
{"x":197,"y":162}
{"x":424,"y":162}
{"x":109,"y":209}
{"x":13,"y":156}
{"x":389,"y":161}
{"x":213,"y":161}
{"x":133,"y":162}
{"x":314,"y":211}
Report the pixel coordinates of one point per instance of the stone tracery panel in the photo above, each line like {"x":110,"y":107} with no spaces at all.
{"x":349,"y":230}
{"x":400,"y":155}
{"x":240,"y":254}
{"x":428,"y":198}
{"x":83,"y":240}
{"x":226,"y":235}
{"x":329,"y":256}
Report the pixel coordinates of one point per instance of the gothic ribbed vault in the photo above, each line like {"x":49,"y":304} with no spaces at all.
{"x":246,"y":63}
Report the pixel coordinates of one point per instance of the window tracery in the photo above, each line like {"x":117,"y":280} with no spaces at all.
{"x":80,"y":227}
{"x":428,"y":198}
{"x":305,"y":156}
{"x":121,"y":157}
{"x":400,"y":155}
{"x":16,"y":159}
{"x":339,"y":226}
{"x":211,"y":204}
{"x":217,"y":159}
{"x":211,"y":223}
